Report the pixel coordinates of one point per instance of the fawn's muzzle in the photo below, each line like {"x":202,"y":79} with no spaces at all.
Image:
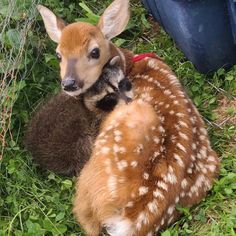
{"x":69,"y":85}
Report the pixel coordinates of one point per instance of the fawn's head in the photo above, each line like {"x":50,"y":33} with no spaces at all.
{"x":84,"y":49}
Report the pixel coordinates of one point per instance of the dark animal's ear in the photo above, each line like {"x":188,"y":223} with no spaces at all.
{"x":114,"y":61}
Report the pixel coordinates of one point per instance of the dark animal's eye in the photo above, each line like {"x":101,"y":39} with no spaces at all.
{"x":95,"y":53}
{"x":58,"y":55}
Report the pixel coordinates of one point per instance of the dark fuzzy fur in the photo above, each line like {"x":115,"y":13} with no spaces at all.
{"x":61,"y":134}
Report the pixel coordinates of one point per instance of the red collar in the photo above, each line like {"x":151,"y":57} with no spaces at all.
{"x":140,"y":57}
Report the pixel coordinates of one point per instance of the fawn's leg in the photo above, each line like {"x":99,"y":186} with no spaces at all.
{"x":83,"y":211}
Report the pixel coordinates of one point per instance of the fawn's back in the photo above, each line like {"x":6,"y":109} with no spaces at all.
{"x":150,"y":156}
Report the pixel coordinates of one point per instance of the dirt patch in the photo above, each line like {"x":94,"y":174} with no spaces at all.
{"x":226,"y":112}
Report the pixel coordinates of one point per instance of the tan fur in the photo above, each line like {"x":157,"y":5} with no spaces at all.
{"x":150,"y":155}
{"x":77,"y":42}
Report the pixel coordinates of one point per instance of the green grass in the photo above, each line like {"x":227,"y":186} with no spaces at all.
{"x":34,"y":202}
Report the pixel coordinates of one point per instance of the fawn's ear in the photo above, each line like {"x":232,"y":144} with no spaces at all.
{"x":53,"y":24}
{"x":115,"y":18}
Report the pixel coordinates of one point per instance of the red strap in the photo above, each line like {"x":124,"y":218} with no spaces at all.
{"x":140,"y":57}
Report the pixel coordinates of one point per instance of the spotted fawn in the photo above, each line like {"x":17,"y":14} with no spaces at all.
{"x":150,"y":154}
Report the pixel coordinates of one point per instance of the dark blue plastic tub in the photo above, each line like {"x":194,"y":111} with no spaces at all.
{"x":205,"y":30}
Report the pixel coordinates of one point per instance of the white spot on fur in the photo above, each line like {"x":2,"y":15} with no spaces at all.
{"x":157,"y":228}
{"x":152,"y":206}
{"x":102,"y":141}
{"x":192,"y":120}
{"x":139,"y":148}
{"x":199,"y":156}
{"x":153,"y":128}
{"x":183,"y":124}
{"x":150,"y":234}
{"x":211,"y":158}
{"x":161,"y":129}
{"x":108,"y":166}
{"x":211,"y":168}
{"x":131,"y":124}
{"x":121,"y":165}
{"x":101,"y":134}
{"x":171,"y":178}
{"x":179,"y":160}
{"x":112,"y":185}
{"x":130,"y":204}
{"x":105,"y":150}
{"x":117,"y":133}
{"x":194,"y":189}
{"x":200,"y":180}
{"x":203,"y":152}
{"x":167,"y":106}
{"x":181,"y":147}
{"x":167,"y":92}
{"x":202,"y":137}
{"x":193,"y":158}
{"x":170,"y":220}
{"x":118,"y":149}
{"x":194,"y":146}
{"x":179,"y":114}
{"x":117,"y":139}
{"x":162,"y":221}
{"x":162,"y":185}
{"x":146,"y":175}
{"x":152,"y":63}
{"x":184,"y":136}
{"x":156,"y":140}
{"x":203,"y":130}
{"x":184,"y":183}
{"x":171,"y":209}
{"x":134,"y":164}
{"x":109,"y":127}
{"x":122,"y":149}
{"x":176,"y":199}
{"x":189,"y":170}
{"x":158,"y":193}
{"x":156,"y":154}
{"x":142,"y":219}
{"x":143,"y":190}
{"x":177,"y":126}
{"x":146,"y":97}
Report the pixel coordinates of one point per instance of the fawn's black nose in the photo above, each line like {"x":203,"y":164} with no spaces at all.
{"x":69,"y":85}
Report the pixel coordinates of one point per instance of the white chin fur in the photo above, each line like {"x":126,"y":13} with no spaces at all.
{"x":74,"y":93}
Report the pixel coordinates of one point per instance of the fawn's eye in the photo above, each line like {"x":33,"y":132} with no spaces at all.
{"x":95,"y":53}
{"x":58,"y":55}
